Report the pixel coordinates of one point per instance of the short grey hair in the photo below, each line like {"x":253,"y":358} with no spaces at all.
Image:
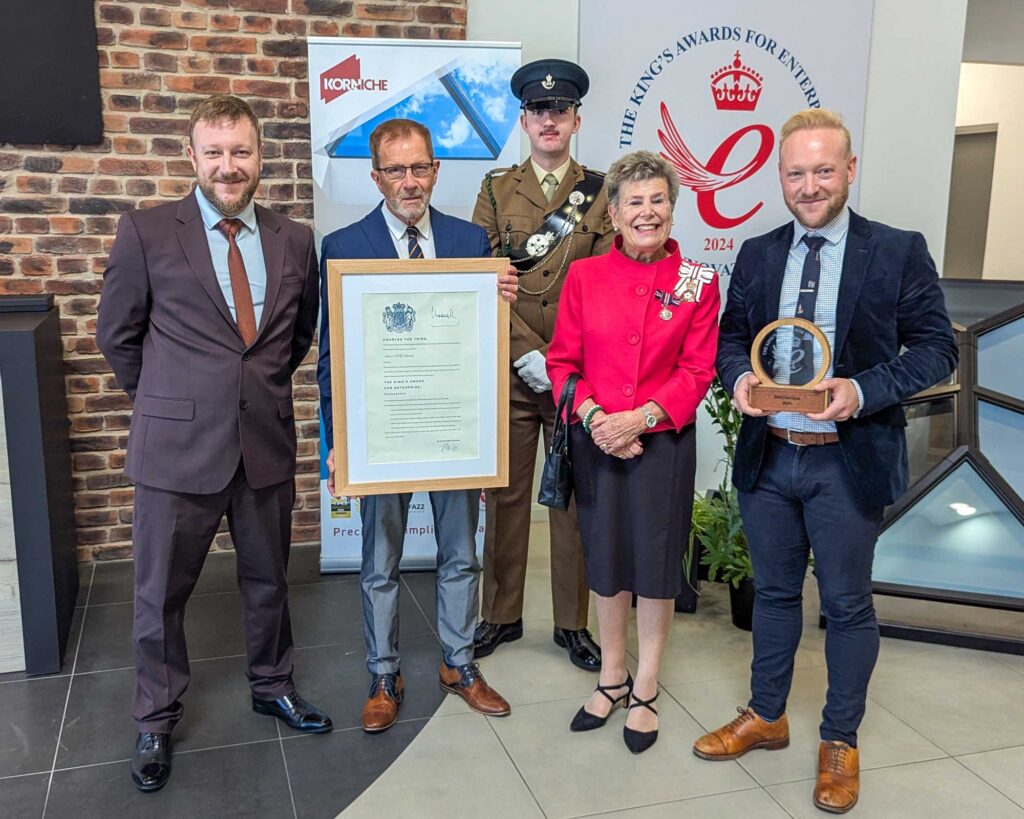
{"x":640,"y":166}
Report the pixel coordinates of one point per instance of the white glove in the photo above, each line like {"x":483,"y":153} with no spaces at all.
{"x":533,"y":370}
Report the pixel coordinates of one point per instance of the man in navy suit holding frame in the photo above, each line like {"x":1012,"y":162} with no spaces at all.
{"x":404,"y":226}
{"x":821,"y":481}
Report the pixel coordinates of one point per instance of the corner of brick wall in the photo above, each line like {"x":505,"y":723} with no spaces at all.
{"x":59,"y":205}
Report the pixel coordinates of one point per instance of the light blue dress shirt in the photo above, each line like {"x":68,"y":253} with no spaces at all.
{"x":248,"y":241}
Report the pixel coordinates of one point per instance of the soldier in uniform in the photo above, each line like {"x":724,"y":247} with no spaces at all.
{"x":543,"y":214}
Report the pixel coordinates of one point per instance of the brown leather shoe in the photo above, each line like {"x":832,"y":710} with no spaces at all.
{"x":380,"y":711}
{"x":838,"y":783}
{"x":469,"y":683}
{"x":745,"y":733}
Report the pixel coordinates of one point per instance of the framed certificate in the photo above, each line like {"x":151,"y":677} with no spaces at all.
{"x":419,"y":374}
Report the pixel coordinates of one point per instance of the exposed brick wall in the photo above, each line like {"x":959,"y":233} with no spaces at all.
{"x":59,"y":206}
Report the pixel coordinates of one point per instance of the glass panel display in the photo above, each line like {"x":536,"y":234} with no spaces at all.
{"x":930,"y":434}
{"x":1000,"y":352}
{"x":1001,"y":438}
{"x":958,"y":537}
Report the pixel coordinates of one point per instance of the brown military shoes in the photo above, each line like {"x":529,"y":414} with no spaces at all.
{"x":838,"y":783}
{"x":381,"y":708}
{"x":467,"y":681}
{"x":745,"y":733}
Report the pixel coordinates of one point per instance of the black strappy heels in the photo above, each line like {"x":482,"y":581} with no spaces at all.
{"x":585,"y":721}
{"x":640,"y":741}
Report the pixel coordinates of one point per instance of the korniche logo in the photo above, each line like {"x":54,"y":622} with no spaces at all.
{"x":347,"y":76}
{"x":399,"y":318}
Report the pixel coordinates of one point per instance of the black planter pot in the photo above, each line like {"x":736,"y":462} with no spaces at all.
{"x":741,"y":604}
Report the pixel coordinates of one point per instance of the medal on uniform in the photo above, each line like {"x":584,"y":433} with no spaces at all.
{"x":666,"y":300}
{"x":692,"y":278}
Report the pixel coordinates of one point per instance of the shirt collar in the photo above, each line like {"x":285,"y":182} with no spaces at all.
{"x":397,"y":227}
{"x":211,"y":216}
{"x":834,"y":232}
{"x":559,"y":172}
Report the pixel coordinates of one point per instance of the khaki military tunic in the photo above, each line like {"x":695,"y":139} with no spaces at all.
{"x":518,"y":209}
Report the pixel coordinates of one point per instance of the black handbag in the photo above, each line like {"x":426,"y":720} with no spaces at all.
{"x":556,"y":480}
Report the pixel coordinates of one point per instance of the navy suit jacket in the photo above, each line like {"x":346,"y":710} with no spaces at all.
{"x":369,"y":238}
{"x":889,"y":299}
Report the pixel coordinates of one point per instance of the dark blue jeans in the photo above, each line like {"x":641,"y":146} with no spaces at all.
{"x":804,"y":500}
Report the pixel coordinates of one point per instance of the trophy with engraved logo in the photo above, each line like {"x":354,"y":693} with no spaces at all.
{"x":783,"y":358}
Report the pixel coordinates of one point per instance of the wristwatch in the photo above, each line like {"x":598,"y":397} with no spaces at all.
{"x":649,"y":420}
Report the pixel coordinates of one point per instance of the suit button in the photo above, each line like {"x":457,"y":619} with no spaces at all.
{"x":627,"y":390}
{"x":585,"y":229}
{"x":641,"y":290}
{"x":634,"y":338}
{"x":544,"y":303}
{"x":246,"y":356}
{"x":547,"y":272}
{"x":243,"y":404}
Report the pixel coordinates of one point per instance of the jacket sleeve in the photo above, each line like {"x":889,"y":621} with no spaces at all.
{"x":565,"y":353}
{"x":735,"y":334}
{"x":309,"y":303}
{"x":123,"y":319}
{"x":484,"y":215}
{"x":323,"y":365}
{"x":923,"y":330}
{"x":682,"y":393}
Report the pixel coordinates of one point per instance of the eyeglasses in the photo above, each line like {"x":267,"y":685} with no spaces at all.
{"x":554,"y":113}
{"x":393,"y":173}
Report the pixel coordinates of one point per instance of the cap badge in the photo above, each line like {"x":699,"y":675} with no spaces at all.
{"x":548,"y":82}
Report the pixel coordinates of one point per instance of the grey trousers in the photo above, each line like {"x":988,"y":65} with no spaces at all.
{"x":384,"y":517}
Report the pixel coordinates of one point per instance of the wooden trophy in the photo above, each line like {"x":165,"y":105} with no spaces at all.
{"x":792,"y":397}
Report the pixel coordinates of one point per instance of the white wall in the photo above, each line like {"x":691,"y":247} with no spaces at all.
{"x":995,"y":94}
{"x":906,"y":160}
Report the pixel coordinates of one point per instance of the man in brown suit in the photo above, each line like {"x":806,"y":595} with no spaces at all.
{"x":543,"y":214}
{"x":208,"y":307}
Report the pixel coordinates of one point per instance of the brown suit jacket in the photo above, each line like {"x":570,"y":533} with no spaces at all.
{"x":522,"y":208}
{"x":202,"y":399}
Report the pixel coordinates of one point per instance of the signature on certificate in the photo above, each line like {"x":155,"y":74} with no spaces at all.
{"x":449,"y":446}
{"x":444,"y":317}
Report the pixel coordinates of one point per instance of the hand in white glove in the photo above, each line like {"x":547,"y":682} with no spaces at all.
{"x":531,"y":368}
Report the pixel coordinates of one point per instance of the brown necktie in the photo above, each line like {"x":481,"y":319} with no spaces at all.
{"x":550,"y":186}
{"x":245,"y":316}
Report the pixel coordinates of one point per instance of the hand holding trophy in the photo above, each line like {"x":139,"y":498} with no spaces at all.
{"x":783,"y":357}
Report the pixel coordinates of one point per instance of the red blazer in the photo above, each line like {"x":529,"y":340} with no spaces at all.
{"x":609,"y":331}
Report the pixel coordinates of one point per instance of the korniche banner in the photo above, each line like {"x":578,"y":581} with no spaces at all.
{"x":708,"y":85}
{"x":460,"y":91}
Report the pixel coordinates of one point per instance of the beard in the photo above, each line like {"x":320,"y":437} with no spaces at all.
{"x":228,"y":207}
{"x":411,"y":212}
{"x":835,"y":207}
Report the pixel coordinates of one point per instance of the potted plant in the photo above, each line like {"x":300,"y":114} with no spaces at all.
{"x":716,"y":523}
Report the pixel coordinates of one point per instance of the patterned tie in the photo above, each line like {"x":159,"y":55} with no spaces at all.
{"x":415,"y":251}
{"x":245,"y":315}
{"x":809,"y":286}
{"x":550,"y":183}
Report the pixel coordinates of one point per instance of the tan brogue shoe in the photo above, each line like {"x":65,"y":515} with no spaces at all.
{"x":467,"y":681}
{"x":380,"y":711}
{"x":838,"y":783}
{"x":745,"y":733}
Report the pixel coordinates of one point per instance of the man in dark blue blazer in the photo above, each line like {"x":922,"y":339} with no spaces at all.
{"x":821,"y":481}
{"x":404,"y":226}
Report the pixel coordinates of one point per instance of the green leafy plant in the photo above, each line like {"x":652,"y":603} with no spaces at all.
{"x":716,"y":521}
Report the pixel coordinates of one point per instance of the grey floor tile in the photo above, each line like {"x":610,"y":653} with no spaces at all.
{"x":335,"y":678}
{"x":24,"y":795}
{"x":423,"y":586}
{"x":30,"y":723}
{"x":304,"y":567}
{"x":106,"y":638}
{"x":329,"y":771}
{"x":924,"y":790}
{"x":752,"y":803}
{"x":242,"y":781}
{"x":113,"y":582}
{"x":1001,"y":769}
{"x":85,"y":573}
{"x":69,"y":651}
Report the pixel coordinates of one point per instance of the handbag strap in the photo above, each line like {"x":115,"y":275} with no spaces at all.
{"x":566,"y":401}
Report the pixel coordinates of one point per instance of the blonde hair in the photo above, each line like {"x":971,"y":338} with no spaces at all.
{"x":815,"y":118}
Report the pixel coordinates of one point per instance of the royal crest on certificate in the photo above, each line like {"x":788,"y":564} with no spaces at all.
{"x":421,"y":376}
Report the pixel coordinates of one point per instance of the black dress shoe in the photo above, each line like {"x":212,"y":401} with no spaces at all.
{"x":583,"y":651}
{"x":640,"y":741}
{"x":295,"y":712}
{"x":151,"y":761}
{"x":488,"y":636}
{"x":585,"y":721}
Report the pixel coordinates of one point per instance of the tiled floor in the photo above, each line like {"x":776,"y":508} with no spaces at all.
{"x":943,"y":735}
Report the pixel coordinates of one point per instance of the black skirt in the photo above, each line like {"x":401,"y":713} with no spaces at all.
{"x":634,"y":514}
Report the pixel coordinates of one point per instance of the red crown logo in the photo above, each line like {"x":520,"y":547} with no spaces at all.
{"x":736,"y":87}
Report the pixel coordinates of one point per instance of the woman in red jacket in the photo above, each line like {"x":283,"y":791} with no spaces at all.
{"x":639,"y":326}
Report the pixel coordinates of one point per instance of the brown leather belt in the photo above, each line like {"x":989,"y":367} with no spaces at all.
{"x":805,"y":438}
